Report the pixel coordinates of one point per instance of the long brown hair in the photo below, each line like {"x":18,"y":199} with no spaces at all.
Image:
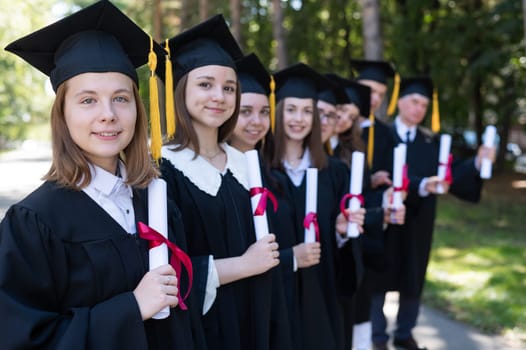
{"x":312,"y":141}
{"x":185,"y":134}
{"x":349,"y":141}
{"x":70,"y":165}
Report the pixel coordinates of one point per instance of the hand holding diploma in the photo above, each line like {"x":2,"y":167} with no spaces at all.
{"x":355,"y":194}
{"x":399,"y":166}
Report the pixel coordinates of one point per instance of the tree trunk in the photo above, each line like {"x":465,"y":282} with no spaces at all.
{"x":203,"y":10}
{"x":278,"y":31}
{"x":373,"y":48}
{"x":235,"y":16}
{"x":157,"y":21}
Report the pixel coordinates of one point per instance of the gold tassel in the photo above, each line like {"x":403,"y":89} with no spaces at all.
{"x":394,"y":96}
{"x":155,"y":116}
{"x":370,"y":142}
{"x":435,"y":116}
{"x":169,"y":95}
{"x":272,"y":102}
{"x":328,"y":147}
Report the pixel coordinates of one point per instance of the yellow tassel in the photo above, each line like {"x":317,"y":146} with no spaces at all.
{"x":169,"y":94}
{"x":155,"y":116}
{"x":272,"y":102}
{"x":435,"y":116}
{"x":370,"y":142}
{"x":394,"y":96}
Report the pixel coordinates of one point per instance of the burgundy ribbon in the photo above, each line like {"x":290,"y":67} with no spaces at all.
{"x":262,"y":204}
{"x":177,"y":258}
{"x":449,"y":176}
{"x":345,"y":198}
{"x":312,"y":218}
{"x":405,"y":181}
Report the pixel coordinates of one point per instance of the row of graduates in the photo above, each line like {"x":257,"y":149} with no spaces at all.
{"x":73,"y":259}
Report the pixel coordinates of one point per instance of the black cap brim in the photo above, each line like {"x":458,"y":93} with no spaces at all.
{"x":301,"y":81}
{"x":252,"y":75}
{"x":378,"y":71}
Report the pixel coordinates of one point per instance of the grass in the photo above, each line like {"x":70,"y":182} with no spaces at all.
{"x":477,"y":272}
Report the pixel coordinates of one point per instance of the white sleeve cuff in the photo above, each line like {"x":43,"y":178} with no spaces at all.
{"x":294,"y":263}
{"x":422,"y":188}
{"x":212,"y":283}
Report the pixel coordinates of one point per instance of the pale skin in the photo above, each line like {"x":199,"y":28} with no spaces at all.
{"x":378,"y":92}
{"x":100,"y":113}
{"x":297,"y":123}
{"x":328,"y":119}
{"x":210,"y":99}
{"x":253,"y":122}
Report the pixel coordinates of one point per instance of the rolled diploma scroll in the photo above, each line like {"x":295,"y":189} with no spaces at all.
{"x":399,"y":158}
{"x":489,"y":141}
{"x":443,"y":155}
{"x":311,"y":198}
{"x":355,"y":189}
{"x":158,"y":220}
{"x":254,"y":181}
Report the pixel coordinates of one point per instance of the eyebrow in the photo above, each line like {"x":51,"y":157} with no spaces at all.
{"x":208,"y":77}
{"x":93,"y":92}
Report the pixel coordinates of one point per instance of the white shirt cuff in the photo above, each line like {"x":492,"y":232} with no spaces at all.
{"x":340,"y":241}
{"x":422,"y":188}
{"x":294,"y":263}
{"x":212,"y":283}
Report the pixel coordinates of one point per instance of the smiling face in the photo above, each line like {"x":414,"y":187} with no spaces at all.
{"x":100,"y":113}
{"x":297,"y":118}
{"x":378,"y":92}
{"x":210,"y":95}
{"x":412,"y":109}
{"x":347,"y":114}
{"x":253,"y":121}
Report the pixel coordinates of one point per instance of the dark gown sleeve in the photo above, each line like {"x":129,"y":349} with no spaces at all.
{"x":467,"y":183}
{"x":33,"y":264}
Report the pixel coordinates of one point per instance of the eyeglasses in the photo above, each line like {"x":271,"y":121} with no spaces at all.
{"x":329,"y":117}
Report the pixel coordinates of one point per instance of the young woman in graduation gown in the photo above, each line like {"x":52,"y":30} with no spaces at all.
{"x":356,"y":311}
{"x":252,"y":131}
{"x":73,"y":271}
{"x":207,"y":179}
{"x":316,"y":265}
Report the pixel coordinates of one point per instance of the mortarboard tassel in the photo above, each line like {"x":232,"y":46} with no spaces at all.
{"x":272,"y":102}
{"x":435,"y":115}
{"x":169,"y":95}
{"x":370,"y":142}
{"x":155,"y":116}
{"x":394,"y":96}
{"x":328,"y":147}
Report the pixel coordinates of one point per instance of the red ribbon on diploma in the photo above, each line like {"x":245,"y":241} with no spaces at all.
{"x":177,"y":258}
{"x":345,"y":198}
{"x":312,"y":218}
{"x":449,"y":176}
{"x":262,"y":204}
{"x":405,"y":181}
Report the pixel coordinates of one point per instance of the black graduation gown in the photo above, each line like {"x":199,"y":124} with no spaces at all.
{"x":321,"y":285}
{"x":67,"y":275}
{"x":383,"y":143}
{"x":221,"y":225}
{"x":408,"y":246}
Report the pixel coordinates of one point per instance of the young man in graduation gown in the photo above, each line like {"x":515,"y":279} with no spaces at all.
{"x":407,"y":247}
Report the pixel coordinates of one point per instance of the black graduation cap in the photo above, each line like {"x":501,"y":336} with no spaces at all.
{"x":208,"y":43}
{"x":378,"y":71}
{"x":417,"y":85}
{"x":98,"y":38}
{"x":356,"y":93}
{"x":252,"y":75}
{"x":301,"y":81}
{"x":334,"y":95}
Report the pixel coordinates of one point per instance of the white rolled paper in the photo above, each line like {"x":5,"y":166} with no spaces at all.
{"x":158,"y":220}
{"x":311,"y":201}
{"x":489,"y":141}
{"x":443,"y":156}
{"x":355,"y":188}
{"x":254,"y":181}
{"x":399,"y":160}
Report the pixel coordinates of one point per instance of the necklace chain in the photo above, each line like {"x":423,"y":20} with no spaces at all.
{"x":213,"y":156}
